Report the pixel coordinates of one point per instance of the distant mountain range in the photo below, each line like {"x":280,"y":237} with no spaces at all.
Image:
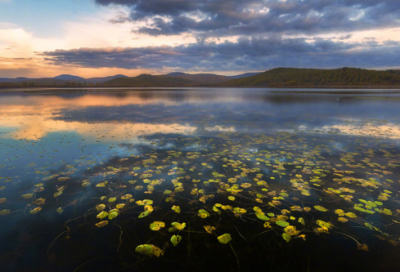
{"x":61,"y":79}
{"x":171,"y":80}
{"x":279,"y":77}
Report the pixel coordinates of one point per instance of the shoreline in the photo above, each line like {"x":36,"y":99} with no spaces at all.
{"x":47,"y":88}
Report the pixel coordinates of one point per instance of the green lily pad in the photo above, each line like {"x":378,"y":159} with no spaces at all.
{"x":175,"y":239}
{"x":282,"y":224}
{"x":286,"y":237}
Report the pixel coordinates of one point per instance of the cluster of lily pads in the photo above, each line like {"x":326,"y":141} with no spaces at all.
{"x":291,"y":186}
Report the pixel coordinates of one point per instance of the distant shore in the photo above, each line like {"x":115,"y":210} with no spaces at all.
{"x":47,"y":88}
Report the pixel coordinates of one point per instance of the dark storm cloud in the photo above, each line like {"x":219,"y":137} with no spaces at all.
{"x":237,"y":17}
{"x":245,"y":54}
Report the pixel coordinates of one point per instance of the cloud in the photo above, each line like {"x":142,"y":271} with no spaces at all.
{"x":345,"y":37}
{"x":231,"y":17}
{"x":244,"y":54}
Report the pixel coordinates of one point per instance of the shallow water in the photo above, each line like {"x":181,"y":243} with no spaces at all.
{"x":255,"y":160}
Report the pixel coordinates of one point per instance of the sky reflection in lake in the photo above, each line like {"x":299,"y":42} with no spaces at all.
{"x":125,"y":116}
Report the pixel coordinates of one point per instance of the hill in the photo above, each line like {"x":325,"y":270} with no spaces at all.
{"x":146,"y":80}
{"x":279,"y":77}
{"x":102,"y":79}
{"x":394,"y":71}
{"x":200,"y":78}
{"x":295,"y":77}
{"x":244,"y":75}
{"x":68,"y":77}
{"x":18,"y":79}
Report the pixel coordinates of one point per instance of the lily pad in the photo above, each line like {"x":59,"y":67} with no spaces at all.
{"x":224,"y":238}
{"x":282,"y":224}
{"x":176,"y":239}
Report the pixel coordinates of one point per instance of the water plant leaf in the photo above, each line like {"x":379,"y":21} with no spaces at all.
{"x":177,"y":226}
{"x":368,"y":225}
{"x":320,"y":208}
{"x":143,"y":214}
{"x":176,"y":209}
{"x":35,"y":210}
{"x":176,"y":239}
{"x":324,"y":224}
{"x":27,"y":196}
{"x":203,"y":213}
{"x":4,"y":212}
{"x":157,"y":225}
{"x":237,"y":211}
{"x":292,"y":231}
{"x":102,"y":224}
{"x":149,"y":250}
{"x":59,"y":210}
{"x":100,"y":207}
{"x":57,"y":194}
{"x":387,"y":212}
{"x":306,"y":209}
{"x":224,"y":238}
{"x":351,"y":215}
{"x":282,"y":224}
{"x":148,"y":208}
{"x":113,"y":213}
{"x":120,"y":206}
{"x":267,"y":225}
{"x":39,"y":201}
{"x":101,"y":184}
{"x":339,"y":212}
{"x":102,"y":215}
{"x":209,"y":229}
{"x":286,"y":237}
{"x":362,"y":247}
{"x":126,"y":197}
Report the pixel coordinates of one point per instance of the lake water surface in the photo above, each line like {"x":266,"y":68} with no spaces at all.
{"x":240,"y":179}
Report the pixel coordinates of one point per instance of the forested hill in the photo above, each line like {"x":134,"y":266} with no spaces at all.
{"x":294,"y":77}
{"x":275,"y":78}
{"x":145,"y":80}
{"x":201,"y":78}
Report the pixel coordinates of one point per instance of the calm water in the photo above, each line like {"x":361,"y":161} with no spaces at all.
{"x":303,"y":180}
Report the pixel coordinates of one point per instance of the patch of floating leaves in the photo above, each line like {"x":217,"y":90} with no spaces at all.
{"x":253,"y":182}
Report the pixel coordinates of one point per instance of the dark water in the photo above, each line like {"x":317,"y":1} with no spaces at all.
{"x":325,"y":163}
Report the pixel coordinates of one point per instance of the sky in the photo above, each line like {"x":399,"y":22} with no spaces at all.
{"x":90,"y":38}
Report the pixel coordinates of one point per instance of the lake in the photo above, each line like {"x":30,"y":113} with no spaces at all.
{"x":177,"y":179}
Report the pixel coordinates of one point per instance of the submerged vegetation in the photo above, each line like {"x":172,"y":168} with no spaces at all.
{"x":210,"y":199}
{"x":240,"y":189}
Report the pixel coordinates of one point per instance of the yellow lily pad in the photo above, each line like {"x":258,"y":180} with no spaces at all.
{"x":224,"y":238}
{"x":102,"y":224}
{"x":157,"y":225}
